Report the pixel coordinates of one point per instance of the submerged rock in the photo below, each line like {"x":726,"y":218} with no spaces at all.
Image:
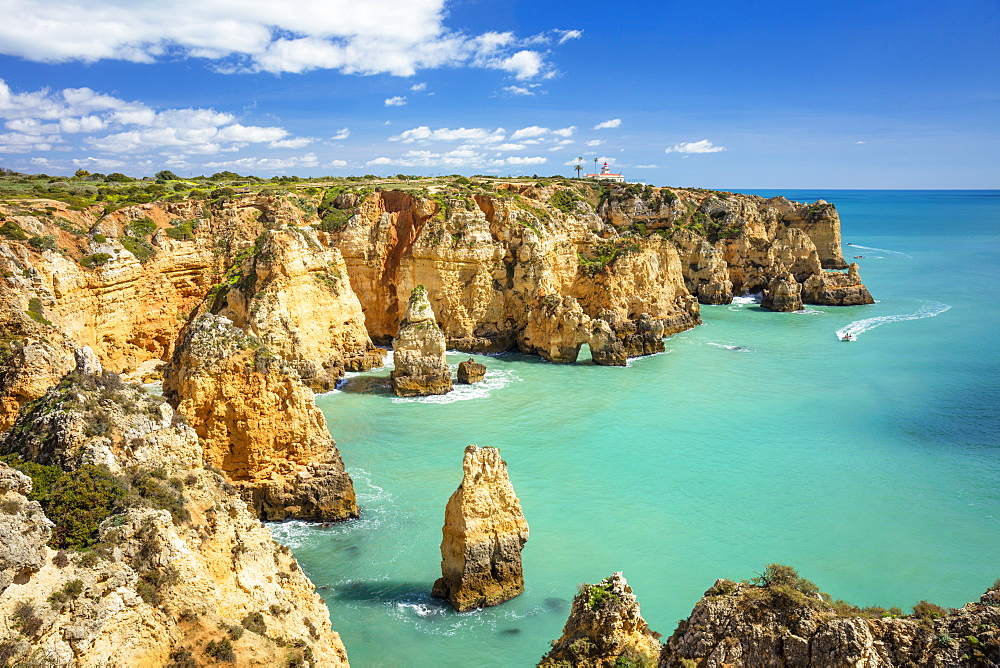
{"x":420,"y":366}
{"x":605,"y":629}
{"x":470,"y":372}
{"x":483,"y":535}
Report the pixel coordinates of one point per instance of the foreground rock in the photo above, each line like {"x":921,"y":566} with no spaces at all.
{"x":470,"y":372}
{"x":605,"y":629}
{"x":483,"y":535}
{"x":783,"y":620}
{"x":259,"y":423}
{"x":783,"y":293}
{"x":142,"y":557}
{"x":420,"y":366}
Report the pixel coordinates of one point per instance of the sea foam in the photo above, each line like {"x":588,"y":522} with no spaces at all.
{"x":928,"y":309}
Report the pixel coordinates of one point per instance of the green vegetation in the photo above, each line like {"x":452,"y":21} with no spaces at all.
{"x":12,"y":230}
{"x":604,"y":254}
{"x":220,"y":650}
{"x":598,"y":595}
{"x":141,"y":249}
{"x":255,"y":623}
{"x":182,"y":230}
{"x":35,"y":311}
{"x":564,"y":200}
{"x":95,"y":260}
{"x":43,"y":242}
{"x":140,"y":228}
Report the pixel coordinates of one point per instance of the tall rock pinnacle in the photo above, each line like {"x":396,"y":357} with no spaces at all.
{"x":420,"y":364}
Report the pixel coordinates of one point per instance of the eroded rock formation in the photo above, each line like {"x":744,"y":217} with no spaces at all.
{"x":483,"y":535}
{"x":783,"y":293}
{"x":605,"y":629}
{"x":836,"y":289}
{"x":178,"y":569}
{"x":259,"y":423}
{"x":471,"y":371}
{"x":419,"y":364}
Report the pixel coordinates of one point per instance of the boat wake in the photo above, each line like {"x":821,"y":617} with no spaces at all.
{"x":892,"y":253}
{"x":928,"y":309}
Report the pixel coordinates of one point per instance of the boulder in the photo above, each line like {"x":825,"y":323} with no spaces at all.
{"x":470,"y":372}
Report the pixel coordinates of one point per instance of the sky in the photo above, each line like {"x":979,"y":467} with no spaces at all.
{"x":766,"y":94}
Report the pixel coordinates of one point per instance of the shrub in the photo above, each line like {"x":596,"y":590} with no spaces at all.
{"x":42,"y":242}
{"x":79,"y":502}
{"x":182,"y":658}
{"x":25,"y":620}
{"x":928,"y":611}
{"x":140,"y":228}
{"x":118,"y":177}
{"x":220,"y":650}
{"x":255,"y":622}
{"x":142,"y":250}
{"x":563,"y":200}
{"x":69,"y":591}
{"x":12,"y":230}
{"x":780,"y":575}
{"x":183,"y":231}
{"x":235,"y":632}
{"x":95,"y":260}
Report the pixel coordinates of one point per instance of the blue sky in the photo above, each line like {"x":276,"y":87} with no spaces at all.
{"x":876,"y":94}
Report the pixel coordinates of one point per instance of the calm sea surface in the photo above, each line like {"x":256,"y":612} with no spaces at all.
{"x":873,"y":467}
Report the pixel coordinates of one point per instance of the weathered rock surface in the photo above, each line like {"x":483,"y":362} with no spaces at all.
{"x":182,"y":570}
{"x":783,"y":293}
{"x":419,"y":364}
{"x":259,"y":423}
{"x":605,"y":629}
{"x":293,"y":295}
{"x":471,"y":371}
{"x":833,"y":288}
{"x":743,"y":624}
{"x":483,"y":535}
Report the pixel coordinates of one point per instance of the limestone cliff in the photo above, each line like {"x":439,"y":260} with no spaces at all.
{"x":420,"y":367}
{"x":293,"y":295}
{"x":783,"y":293}
{"x":259,"y":423}
{"x":142,"y":559}
{"x":836,"y":289}
{"x":784,"y":621}
{"x":483,"y":535}
{"x":605,"y":629}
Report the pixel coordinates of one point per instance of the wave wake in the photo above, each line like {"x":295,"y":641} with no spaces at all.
{"x":892,"y":253}
{"x":928,"y":309}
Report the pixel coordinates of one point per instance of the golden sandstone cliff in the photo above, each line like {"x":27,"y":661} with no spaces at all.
{"x":130,"y":552}
{"x":483,"y":535}
{"x":256,"y":300}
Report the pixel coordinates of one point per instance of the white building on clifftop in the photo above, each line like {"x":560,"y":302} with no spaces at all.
{"x":606,"y":175}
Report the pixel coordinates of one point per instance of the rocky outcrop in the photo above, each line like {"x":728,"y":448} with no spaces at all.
{"x":178,"y":570}
{"x":471,"y":371}
{"x":783,"y":293}
{"x":604,"y":629}
{"x":834,"y":288}
{"x":483,"y":535}
{"x":784,"y":621}
{"x":259,"y":423}
{"x":420,"y":367}
{"x":620,"y":339}
{"x":293,"y":295}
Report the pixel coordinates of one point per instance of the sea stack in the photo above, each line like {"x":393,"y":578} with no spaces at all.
{"x":471,"y":371}
{"x":420,"y":367}
{"x":783,"y":293}
{"x":483,"y":535}
{"x":605,"y":629}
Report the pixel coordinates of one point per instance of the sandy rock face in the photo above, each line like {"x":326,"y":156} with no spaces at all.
{"x":483,"y":535}
{"x":294,"y":296}
{"x":420,"y":367}
{"x":605,"y":629}
{"x":471,"y":371}
{"x":259,"y":423}
{"x":180,"y":564}
{"x":783,"y":293}
{"x":833,"y":288}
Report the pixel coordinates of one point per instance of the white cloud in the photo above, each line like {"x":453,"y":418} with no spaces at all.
{"x":646,"y":166}
{"x":395,"y":101}
{"x":565,"y":132}
{"x":266,"y":164}
{"x":38,"y":119}
{"x":339,"y":164}
{"x":595,"y":142}
{"x":530,"y":131}
{"x":416,"y":88}
{"x":298,"y":142}
{"x":473,"y":135}
{"x":513,"y":160}
{"x":101,"y":163}
{"x":371,"y":37}
{"x":703,"y":146}
{"x":461,"y":157}
{"x":518,"y":90}
{"x":860,"y":142}
{"x":611,"y":123}
{"x":341,"y":134}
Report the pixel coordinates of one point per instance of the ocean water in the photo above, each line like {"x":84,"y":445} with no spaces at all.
{"x":873,"y":467}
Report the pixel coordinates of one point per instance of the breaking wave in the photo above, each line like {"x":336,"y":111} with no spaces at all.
{"x":495,"y":379}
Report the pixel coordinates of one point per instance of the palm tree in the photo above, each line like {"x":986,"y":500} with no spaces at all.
{"x":595,"y":164}
{"x":579,"y":167}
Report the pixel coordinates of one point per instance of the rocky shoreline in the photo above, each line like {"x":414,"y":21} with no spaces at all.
{"x":246,"y":305}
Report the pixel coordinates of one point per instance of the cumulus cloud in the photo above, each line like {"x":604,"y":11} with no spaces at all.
{"x":595,"y":142}
{"x":276,"y":36}
{"x":703,"y":146}
{"x":611,"y":123}
{"x":100,"y":163}
{"x":416,"y":88}
{"x":266,"y":164}
{"x":460,"y":157}
{"x":646,"y":166}
{"x":518,"y":90}
{"x":37,"y":121}
{"x":423,"y":133}
{"x":395,"y":101}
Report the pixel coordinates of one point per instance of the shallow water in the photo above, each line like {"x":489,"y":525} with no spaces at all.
{"x":871,"y":466}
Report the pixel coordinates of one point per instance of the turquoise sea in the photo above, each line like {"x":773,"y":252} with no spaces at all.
{"x":873,"y":467}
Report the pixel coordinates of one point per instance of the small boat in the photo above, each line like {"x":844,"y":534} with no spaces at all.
{"x":847,"y":337}
{"x":859,"y":257}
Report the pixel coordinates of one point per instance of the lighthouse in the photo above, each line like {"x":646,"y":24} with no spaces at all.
{"x":606,"y":175}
